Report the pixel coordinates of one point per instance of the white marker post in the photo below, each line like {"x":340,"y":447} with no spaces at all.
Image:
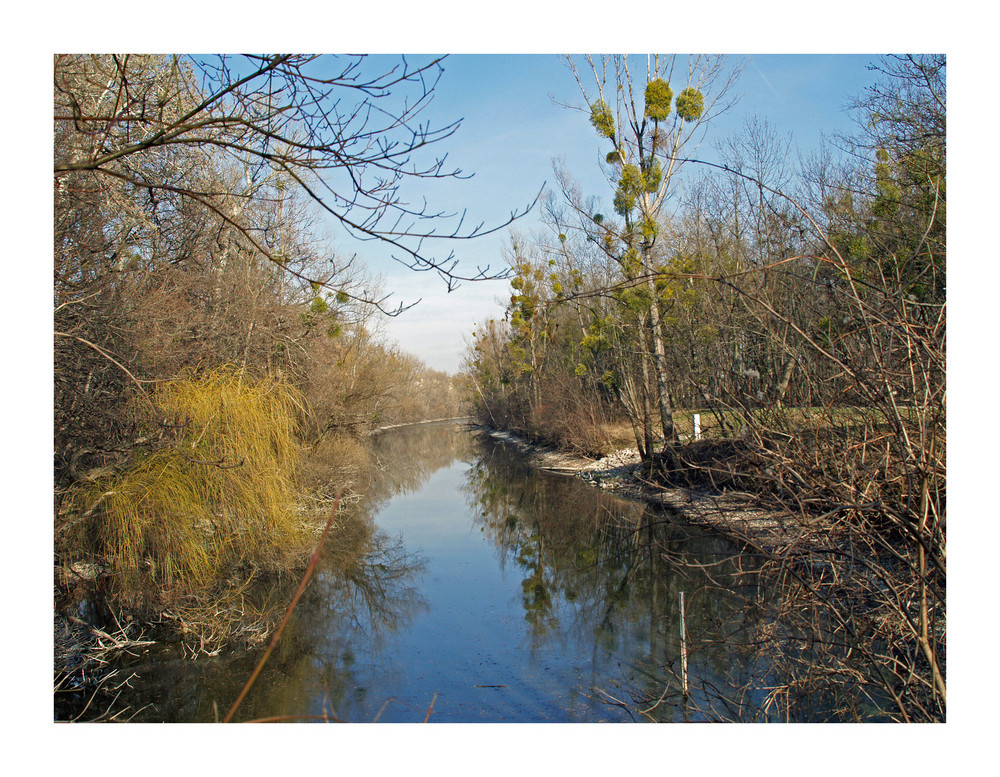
{"x":697,"y":426}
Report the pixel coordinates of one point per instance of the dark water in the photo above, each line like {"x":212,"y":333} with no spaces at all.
{"x":487,"y":591}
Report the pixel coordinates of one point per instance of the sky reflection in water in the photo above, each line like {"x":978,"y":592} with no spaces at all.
{"x":497,"y":592}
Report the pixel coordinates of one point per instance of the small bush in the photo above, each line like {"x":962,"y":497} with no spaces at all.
{"x":603,"y":119}
{"x":222,"y":493}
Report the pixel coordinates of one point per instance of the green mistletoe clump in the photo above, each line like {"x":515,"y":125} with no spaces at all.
{"x":658,"y":96}
{"x":602,"y":119}
{"x":690,"y":104}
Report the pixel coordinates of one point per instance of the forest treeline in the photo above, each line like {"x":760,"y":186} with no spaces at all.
{"x":798,"y":307}
{"x":216,"y":364}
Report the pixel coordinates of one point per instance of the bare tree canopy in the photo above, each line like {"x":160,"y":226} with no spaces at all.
{"x":342,"y":129}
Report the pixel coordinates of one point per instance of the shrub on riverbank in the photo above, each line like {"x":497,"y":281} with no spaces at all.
{"x":220,"y":493}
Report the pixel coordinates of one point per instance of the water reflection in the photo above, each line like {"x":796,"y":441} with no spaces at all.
{"x":406,"y":457}
{"x":348,"y":612}
{"x":599,"y":569}
{"x":502,"y":593}
{"x":365,"y":589}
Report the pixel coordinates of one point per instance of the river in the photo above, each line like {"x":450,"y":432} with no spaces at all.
{"x":489,"y":591}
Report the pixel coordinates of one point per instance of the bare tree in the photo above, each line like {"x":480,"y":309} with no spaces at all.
{"x":345,"y":133}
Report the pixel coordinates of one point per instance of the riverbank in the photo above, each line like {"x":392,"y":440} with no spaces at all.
{"x":620,"y":472}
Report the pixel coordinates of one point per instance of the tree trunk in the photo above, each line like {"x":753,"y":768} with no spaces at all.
{"x":647,"y":410}
{"x":660,"y":366}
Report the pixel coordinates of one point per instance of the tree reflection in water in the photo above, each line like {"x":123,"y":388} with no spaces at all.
{"x":353,"y":605}
{"x":407,"y":456}
{"x":597,"y":567}
{"x":582,"y":613}
{"x":367,"y":589}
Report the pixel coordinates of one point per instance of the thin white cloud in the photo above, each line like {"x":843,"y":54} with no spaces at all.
{"x":766,"y":82}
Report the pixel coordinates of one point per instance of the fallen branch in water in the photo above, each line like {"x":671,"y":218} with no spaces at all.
{"x":291,"y":607}
{"x":430,"y":709}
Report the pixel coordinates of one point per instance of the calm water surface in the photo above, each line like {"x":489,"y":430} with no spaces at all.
{"x":485,"y":592}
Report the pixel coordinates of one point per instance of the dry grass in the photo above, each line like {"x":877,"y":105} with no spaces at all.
{"x":619,"y":437}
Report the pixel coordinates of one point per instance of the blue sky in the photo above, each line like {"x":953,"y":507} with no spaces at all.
{"x":514,"y":123}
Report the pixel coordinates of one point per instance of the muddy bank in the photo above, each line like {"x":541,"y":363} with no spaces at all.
{"x":621,"y":472}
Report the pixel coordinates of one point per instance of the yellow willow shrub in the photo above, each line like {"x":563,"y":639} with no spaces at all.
{"x":223,"y":492}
